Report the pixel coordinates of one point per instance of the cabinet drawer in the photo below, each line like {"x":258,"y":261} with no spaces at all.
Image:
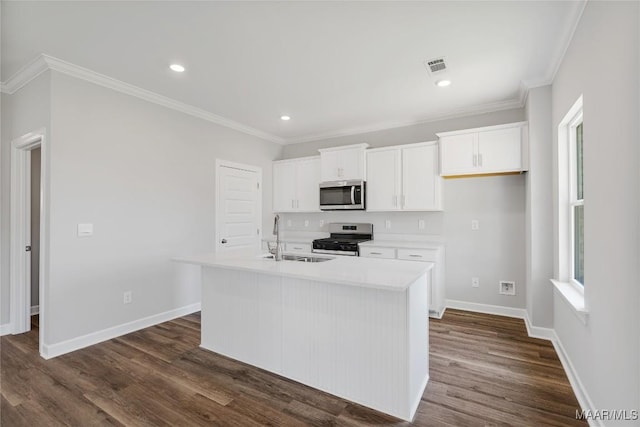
{"x":298,"y":247}
{"x":429,"y":255}
{"x":378,"y":252}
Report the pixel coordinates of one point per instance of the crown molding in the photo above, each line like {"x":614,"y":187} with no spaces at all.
{"x":45,"y":62}
{"x":24,"y":75}
{"x":452,"y":114}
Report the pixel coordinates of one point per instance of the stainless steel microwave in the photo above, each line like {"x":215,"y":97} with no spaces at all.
{"x":342,"y":195}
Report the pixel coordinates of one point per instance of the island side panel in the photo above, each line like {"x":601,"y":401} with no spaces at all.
{"x":350,"y":341}
{"x":418,"y":340}
{"x":242,"y":316}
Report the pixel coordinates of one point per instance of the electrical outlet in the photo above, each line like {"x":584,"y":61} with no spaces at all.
{"x":288,"y":223}
{"x":127,"y":297}
{"x":475,"y":282}
{"x":475,"y":224}
{"x":387,"y":224}
{"x":306,"y":222}
{"x":321,"y":222}
{"x":507,"y":287}
{"x":421,"y":224}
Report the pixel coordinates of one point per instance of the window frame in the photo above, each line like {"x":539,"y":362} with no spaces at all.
{"x":574,"y":201}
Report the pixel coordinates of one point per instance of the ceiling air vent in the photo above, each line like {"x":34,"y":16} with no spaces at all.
{"x":435,"y":66}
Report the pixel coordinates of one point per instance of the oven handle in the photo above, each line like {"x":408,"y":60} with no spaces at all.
{"x":353,"y":194}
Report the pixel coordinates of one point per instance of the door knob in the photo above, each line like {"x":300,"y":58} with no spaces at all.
{"x":224,"y":240}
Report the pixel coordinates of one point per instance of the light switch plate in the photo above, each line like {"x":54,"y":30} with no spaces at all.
{"x":306,"y":222}
{"x":475,"y":224}
{"x":85,"y":230}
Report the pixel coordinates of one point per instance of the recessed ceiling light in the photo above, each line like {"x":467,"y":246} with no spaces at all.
{"x":177,"y":68}
{"x":285,"y":118}
{"x":443,"y":83}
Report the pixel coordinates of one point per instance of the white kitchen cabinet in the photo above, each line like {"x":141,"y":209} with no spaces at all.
{"x":480,"y":151}
{"x":296,"y":185}
{"x":343,"y":163}
{"x":404,"y":178}
{"x":434,"y":254}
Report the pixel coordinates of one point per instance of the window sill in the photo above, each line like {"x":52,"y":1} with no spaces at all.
{"x":574,"y":298}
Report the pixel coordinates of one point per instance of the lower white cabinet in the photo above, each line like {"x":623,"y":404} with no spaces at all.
{"x":435,"y":255}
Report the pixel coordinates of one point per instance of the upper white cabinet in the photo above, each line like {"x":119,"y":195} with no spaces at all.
{"x":296,"y":185}
{"x":343,"y":163}
{"x":492,"y":149}
{"x":404,"y":177}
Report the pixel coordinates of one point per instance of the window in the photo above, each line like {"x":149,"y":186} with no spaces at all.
{"x":576,"y":200}
{"x":570,"y":213}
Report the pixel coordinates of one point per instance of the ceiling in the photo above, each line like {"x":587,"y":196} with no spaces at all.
{"x":335,"y":67}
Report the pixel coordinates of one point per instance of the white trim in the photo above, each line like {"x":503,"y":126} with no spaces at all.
{"x":77,"y":343}
{"x":519,"y":313}
{"x":258,"y":170}
{"x":482,"y":129}
{"x":24,"y":75}
{"x":537,"y":331}
{"x":45,"y":62}
{"x":5,"y":329}
{"x":572,"y":296}
{"x":576,"y":384}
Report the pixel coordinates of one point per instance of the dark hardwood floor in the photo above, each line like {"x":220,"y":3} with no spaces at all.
{"x":484,"y":371}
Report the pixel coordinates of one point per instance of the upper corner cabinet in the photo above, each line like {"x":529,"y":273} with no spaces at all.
{"x":487,"y":150}
{"x":343,"y":163}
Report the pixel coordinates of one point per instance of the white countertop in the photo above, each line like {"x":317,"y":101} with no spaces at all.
{"x":387,"y":274}
{"x":402,"y":244}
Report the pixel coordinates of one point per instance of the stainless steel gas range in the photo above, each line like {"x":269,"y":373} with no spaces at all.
{"x":344,"y":239}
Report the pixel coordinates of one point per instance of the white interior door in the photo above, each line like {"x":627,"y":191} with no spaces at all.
{"x":239,"y":210}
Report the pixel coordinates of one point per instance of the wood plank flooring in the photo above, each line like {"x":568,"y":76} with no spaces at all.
{"x":485,"y":371}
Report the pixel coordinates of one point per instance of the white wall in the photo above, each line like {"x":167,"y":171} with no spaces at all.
{"x":144,"y":176}
{"x":23,"y":112}
{"x":495,"y":252}
{"x":605,"y":352}
{"x":539,"y":209}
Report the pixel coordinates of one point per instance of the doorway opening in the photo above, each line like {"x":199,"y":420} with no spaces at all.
{"x":29,"y":235}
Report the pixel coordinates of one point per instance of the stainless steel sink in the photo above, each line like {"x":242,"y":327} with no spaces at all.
{"x":302,"y":258}
{"x":299,"y":258}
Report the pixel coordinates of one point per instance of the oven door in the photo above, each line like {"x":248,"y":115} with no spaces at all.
{"x":342,"y":195}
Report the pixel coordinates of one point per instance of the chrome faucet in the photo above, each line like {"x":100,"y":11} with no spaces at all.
{"x":276,"y":231}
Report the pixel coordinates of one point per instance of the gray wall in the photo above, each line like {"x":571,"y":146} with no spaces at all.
{"x":23,"y":112}
{"x":144,"y":176}
{"x":539,"y":209}
{"x":606,"y":352}
{"x":494,"y":252}
{"x":35,"y":226}
{"x":406,"y":135}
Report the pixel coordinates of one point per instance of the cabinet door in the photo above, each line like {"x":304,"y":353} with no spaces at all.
{"x":351,"y":164}
{"x":383,"y":180}
{"x":284,"y":186}
{"x":307,"y":182}
{"x":458,"y":154}
{"x":421,"y":183}
{"x":500,"y":150}
{"x":330,"y":166}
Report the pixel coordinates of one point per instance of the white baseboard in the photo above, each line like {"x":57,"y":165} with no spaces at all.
{"x":576,"y":384}
{"x":5,"y":329}
{"x":35,"y":309}
{"x":53,"y":350}
{"x":499,"y":310}
{"x":539,"y":332}
{"x":542,"y":333}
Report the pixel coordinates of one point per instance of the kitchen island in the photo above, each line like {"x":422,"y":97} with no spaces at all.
{"x":350,"y":326}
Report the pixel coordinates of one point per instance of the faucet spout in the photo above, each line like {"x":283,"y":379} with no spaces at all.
{"x":276,"y":231}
